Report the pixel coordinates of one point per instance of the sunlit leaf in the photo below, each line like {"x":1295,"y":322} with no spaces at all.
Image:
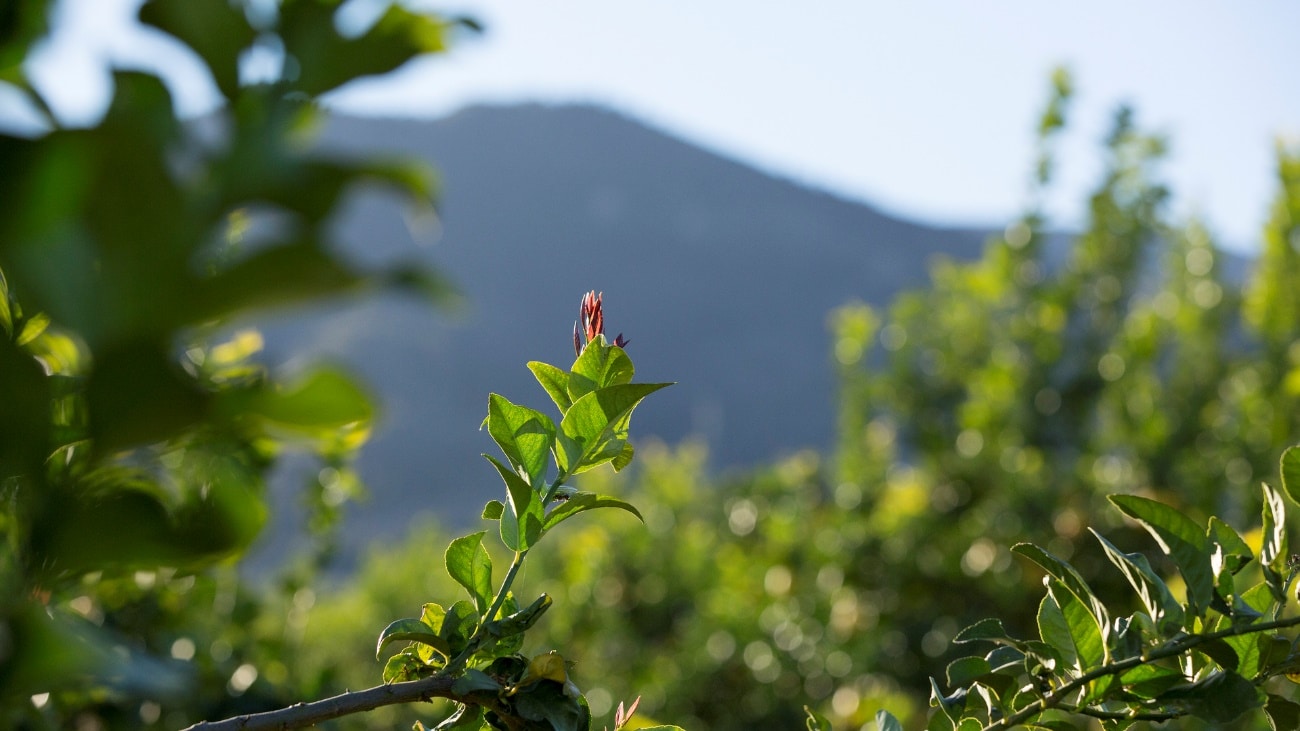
{"x":1181,"y":539}
{"x":469,"y":564}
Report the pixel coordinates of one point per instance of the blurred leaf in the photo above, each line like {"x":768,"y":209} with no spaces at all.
{"x":214,"y":29}
{"x":815,"y":722}
{"x":1282,"y":714}
{"x":471,"y":567}
{"x":322,"y":400}
{"x":1181,"y":539}
{"x":324,"y":59}
{"x":137,"y":395}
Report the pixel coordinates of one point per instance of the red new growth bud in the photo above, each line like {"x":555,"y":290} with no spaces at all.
{"x":591,"y":322}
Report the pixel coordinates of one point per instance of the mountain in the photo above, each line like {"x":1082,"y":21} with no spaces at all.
{"x":721,"y":276}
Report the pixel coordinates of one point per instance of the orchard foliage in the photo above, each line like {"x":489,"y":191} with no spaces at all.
{"x":138,"y":429}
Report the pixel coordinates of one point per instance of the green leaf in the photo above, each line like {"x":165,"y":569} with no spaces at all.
{"x":1086,"y":634}
{"x":555,"y":381}
{"x":1290,"y":468}
{"x":1164,"y":609}
{"x":411,"y":630}
{"x":466,"y":717}
{"x":521,"y":523}
{"x":580,"y":502}
{"x":456,"y":625}
{"x":493,"y":510}
{"x":1181,"y":539}
{"x":404,"y":666}
{"x":885,"y":721}
{"x":1070,"y":579}
{"x":599,"y":366}
{"x":964,"y":671}
{"x":525,"y":436}
{"x":1221,"y":698}
{"x":474,"y":681}
{"x":214,"y":29}
{"x":1054,"y":630}
{"x":1233,"y":553}
{"x":1149,"y":681}
{"x":596,"y":423}
{"x":469,"y":564}
{"x":990,"y":629}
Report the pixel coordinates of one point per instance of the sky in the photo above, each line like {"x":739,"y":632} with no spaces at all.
{"x":924,"y":108}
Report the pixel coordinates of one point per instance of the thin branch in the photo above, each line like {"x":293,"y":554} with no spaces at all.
{"x":301,"y":715}
{"x":1171,"y":649}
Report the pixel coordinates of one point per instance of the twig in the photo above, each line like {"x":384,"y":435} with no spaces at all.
{"x":1170,"y":650}
{"x":301,"y":715}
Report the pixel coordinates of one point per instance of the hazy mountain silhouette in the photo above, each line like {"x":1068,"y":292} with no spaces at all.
{"x":720,"y":275}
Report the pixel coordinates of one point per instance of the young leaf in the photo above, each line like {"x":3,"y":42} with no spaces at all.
{"x":469,"y":564}
{"x":555,"y":381}
{"x":1290,"y":466}
{"x":519,"y":622}
{"x":410,"y":630}
{"x":458,"y":625}
{"x":598,"y":366}
{"x":581,"y":502}
{"x":1164,"y":609}
{"x":493,"y":509}
{"x":521,"y":522}
{"x":525,"y":437}
{"x":1181,"y":539}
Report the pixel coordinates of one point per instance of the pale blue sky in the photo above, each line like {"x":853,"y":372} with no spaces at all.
{"x":924,"y":108}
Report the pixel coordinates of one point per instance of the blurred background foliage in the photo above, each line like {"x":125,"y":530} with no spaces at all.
{"x":999,"y":404}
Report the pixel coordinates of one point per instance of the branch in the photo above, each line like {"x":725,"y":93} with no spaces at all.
{"x":301,"y":715}
{"x":1169,"y":650}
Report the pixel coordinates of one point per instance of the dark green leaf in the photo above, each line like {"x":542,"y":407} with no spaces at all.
{"x":986,"y":629}
{"x":964,"y":671}
{"x":469,"y":564}
{"x":555,"y":381}
{"x":1283,"y":714}
{"x":1233,"y":553}
{"x":474,"y":681}
{"x":493,"y":510}
{"x":458,"y":625}
{"x":322,"y":400}
{"x":404,"y":666}
{"x":1222,"y":698}
{"x":520,"y":621}
{"x":1181,"y":539}
{"x":215,"y":29}
{"x":466,"y":717}
{"x":1149,"y":681}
